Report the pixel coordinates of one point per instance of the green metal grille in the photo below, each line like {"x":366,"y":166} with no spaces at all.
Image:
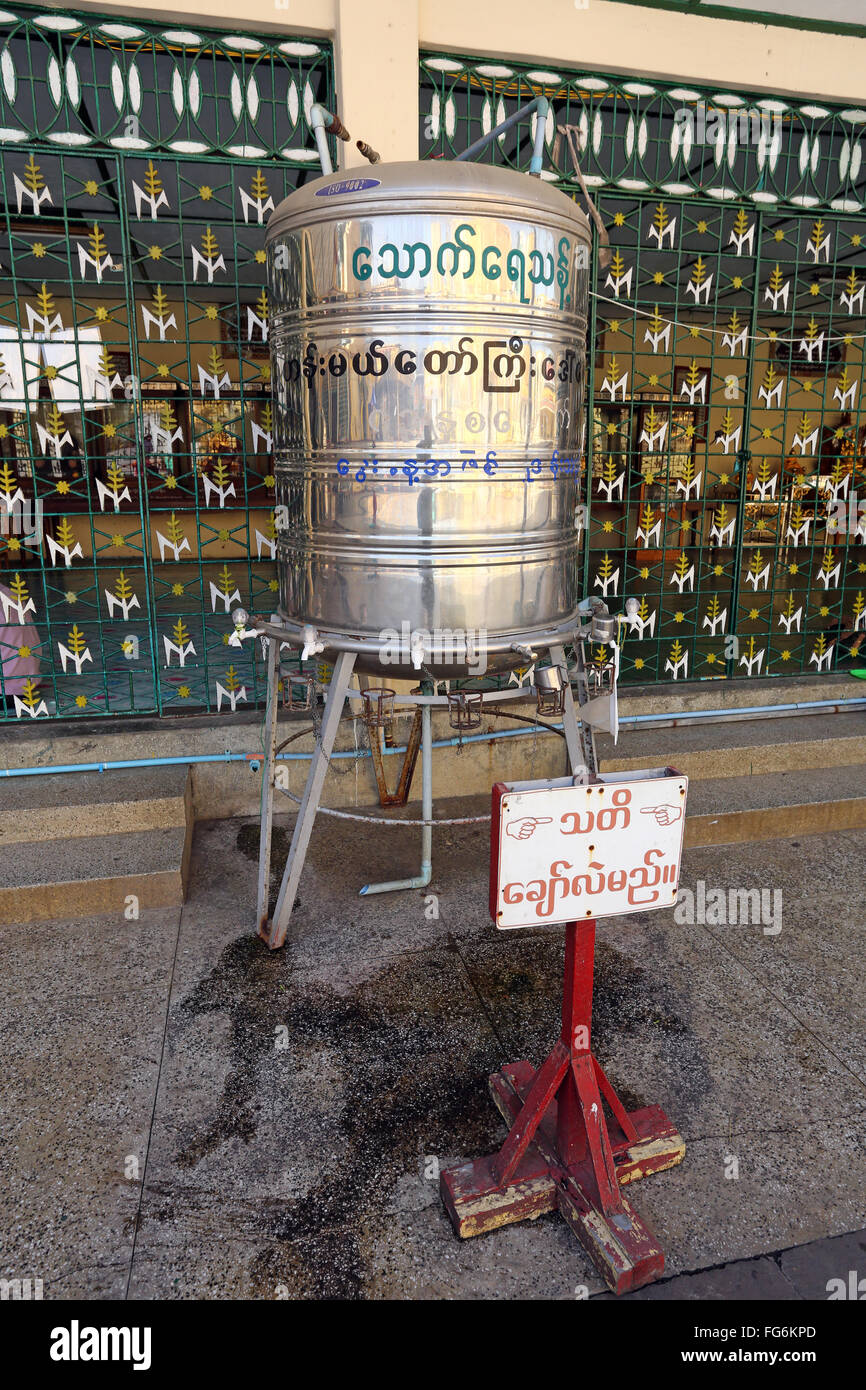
{"x":139,"y":164}
{"x":726,"y":440}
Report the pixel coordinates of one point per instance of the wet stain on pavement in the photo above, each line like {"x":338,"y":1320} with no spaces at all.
{"x":409,"y":1049}
{"x":521,"y":983}
{"x":414,"y":1054}
{"x":241,"y":986}
{"x":249,"y":839}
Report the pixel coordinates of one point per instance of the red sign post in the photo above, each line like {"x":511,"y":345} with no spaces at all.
{"x":564,"y":1152}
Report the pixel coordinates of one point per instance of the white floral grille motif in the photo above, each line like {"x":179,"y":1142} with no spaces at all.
{"x":648,"y":135}
{"x":107,"y":82}
{"x":139,"y":165}
{"x":725,"y":475}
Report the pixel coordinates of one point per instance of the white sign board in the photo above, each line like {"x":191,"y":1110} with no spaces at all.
{"x":561,"y":852}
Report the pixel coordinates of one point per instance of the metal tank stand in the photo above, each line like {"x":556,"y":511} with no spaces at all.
{"x":596,"y":708}
{"x":273,"y":931}
{"x":576,"y":734}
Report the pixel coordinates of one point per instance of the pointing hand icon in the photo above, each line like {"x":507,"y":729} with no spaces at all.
{"x":665,"y":815}
{"x":524,"y":828}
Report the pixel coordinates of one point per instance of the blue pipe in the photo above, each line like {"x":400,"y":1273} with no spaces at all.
{"x":691,"y":716}
{"x":118,"y":764}
{"x":695,"y":715}
{"x":540,"y":105}
{"x":228,"y":757}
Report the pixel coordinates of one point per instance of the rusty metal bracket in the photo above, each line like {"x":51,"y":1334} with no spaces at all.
{"x":410,"y":757}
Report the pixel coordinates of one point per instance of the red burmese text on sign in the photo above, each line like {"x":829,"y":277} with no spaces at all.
{"x":572,"y":823}
{"x":639,"y":883}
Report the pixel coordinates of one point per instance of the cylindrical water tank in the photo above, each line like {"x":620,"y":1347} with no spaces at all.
{"x":428,"y":326}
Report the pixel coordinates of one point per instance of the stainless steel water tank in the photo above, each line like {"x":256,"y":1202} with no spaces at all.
{"x":428,"y":326}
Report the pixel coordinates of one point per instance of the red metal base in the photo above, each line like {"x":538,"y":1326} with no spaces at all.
{"x":560,"y":1154}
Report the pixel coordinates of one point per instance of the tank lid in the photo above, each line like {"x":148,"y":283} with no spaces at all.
{"x":420,"y":182}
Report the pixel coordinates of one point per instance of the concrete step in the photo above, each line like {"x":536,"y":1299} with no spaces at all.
{"x":93,"y":874}
{"x":776,"y":805}
{"x":74,"y":805}
{"x":672,"y":697}
{"x":742,"y":747}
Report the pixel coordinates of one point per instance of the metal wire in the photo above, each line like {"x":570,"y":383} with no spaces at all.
{"x":458,"y":820}
{"x":378,"y":820}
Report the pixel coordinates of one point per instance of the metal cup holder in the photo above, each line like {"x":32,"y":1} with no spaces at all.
{"x":600,"y":680}
{"x":465,"y":709}
{"x":378,"y":707}
{"x":299,"y":691}
{"x":550,"y":687}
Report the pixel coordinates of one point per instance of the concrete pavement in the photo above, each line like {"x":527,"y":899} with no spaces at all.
{"x":187,"y":1116}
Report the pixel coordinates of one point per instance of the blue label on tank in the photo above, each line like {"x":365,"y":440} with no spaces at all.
{"x":347,"y":186}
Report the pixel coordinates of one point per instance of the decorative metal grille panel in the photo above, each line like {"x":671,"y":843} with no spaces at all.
{"x":138,"y":166}
{"x":726,"y":441}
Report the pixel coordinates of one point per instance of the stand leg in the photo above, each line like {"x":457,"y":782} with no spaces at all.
{"x":548,"y":1079}
{"x":559,"y":1154}
{"x":576,"y":1016}
{"x":578,"y":737}
{"x":275,"y":932}
{"x":423,"y":877}
{"x":576,"y":757}
{"x":268,"y":774}
{"x":587,"y":732}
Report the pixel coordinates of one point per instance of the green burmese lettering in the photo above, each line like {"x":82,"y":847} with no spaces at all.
{"x":361,"y":272}
{"x":516,"y":266}
{"x":395,"y":270}
{"x":537,"y":276}
{"x":562,"y":269}
{"x":410,"y":257}
{"x":458,"y":257}
{"x":411,"y":250}
{"x":456,"y":249}
{"x":492,"y":272}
